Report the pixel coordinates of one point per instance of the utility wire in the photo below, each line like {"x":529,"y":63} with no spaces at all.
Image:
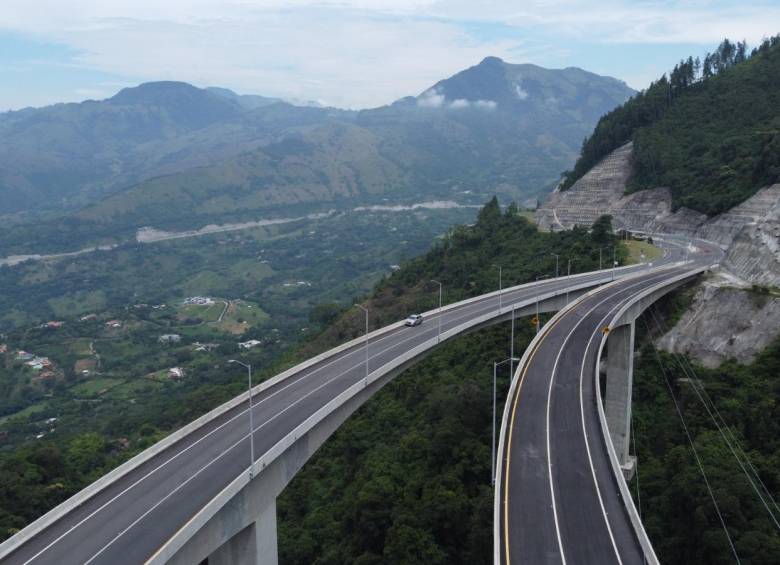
{"x":733,"y":438}
{"x":695,"y":452}
{"x":698,"y":388}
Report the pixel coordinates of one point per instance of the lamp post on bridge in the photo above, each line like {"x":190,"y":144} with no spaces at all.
{"x":614,"y":261}
{"x":365,"y":311}
{"x":602,"y":248}
{"x":438,"y":338}
{"x":556,"y":255}
{"x":540,"y":277}
{"x":500,"y":287}
{"x":251,"y":422}
{"x":493,"y":457}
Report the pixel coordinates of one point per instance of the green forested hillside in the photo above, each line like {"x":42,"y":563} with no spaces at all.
{"x":173,"y":156}
{"x":677,"y":511}
{"x":710,"y":131}
{"x":436,"y":416}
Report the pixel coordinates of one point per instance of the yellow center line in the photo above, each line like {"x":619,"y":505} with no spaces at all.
{"x":511,"y":428}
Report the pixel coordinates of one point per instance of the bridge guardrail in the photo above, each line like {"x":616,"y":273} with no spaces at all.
{"x":516,"y":382}
{"x":78,"y":499}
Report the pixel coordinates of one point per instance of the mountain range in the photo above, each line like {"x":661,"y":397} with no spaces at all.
{"x":169,"y":154}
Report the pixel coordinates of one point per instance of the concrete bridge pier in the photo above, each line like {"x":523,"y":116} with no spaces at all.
{"x":255,"y":544}
{"x":617,"y":405}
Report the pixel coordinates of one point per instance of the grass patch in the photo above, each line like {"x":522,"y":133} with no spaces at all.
{"x":131,"y":389}
{"x":78,"y":303}
{"x":95,"y":387}
{"x":26,"y":413}
{"x":637,"y":248}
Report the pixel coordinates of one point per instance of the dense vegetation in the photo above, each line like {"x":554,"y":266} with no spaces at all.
{"x":710,"y":131}
{"x":677,"y":510}
{"x":406,"y":480}
{"x":342,"y":255}
{"x":174,"y":156}
{"x":92,"y":437}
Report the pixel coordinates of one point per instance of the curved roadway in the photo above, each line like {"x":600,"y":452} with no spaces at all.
{"x":135,"y":515}
{"x":560,"y":502}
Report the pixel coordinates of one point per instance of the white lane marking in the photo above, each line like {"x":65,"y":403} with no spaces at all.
{"x":549,"y":402}
{"x":356,"y":351}
{"x":217,"y":458}
{"x":585,"y":435}
{"x":199,"y":471}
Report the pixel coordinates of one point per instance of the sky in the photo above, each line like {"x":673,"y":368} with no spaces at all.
{"x":345,"y":53}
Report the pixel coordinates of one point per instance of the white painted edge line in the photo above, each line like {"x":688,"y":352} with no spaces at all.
{"x":497,"y":497}
{"x":117,"y":473}
{"x":175,"y":543}
{"x":628,"y":501}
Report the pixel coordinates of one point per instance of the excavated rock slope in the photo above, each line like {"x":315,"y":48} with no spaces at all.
{"x":727,"y":318}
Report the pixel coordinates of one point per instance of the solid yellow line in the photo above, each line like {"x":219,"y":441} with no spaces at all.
{"x":511,"y":428}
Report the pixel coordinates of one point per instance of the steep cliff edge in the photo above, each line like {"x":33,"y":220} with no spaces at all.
{"x":726,"y":320}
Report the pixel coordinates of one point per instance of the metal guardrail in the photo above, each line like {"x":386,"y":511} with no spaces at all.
{"x":32,"y":529}
{"x":497,"y":502}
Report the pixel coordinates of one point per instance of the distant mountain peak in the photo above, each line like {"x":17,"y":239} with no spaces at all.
{"x":154,"y":91}
{"x":492,"y":60}
{"x":496,"y":84}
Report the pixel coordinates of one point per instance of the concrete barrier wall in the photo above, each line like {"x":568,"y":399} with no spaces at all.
{"x":516,"y":382}
{"x":655,"y":291}
{"x":178,"y":541}
{"x":84,"y":495}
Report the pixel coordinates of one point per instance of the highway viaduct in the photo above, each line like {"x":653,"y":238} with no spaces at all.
{"x":190,"y":497}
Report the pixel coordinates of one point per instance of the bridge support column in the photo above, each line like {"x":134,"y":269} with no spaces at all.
{"x":255,"y":544}
{"x":620,"y":376}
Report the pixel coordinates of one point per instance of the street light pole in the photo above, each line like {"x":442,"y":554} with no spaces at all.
{"x":556,"y":264}
{"x":540,"y":277}
{"x":614,"y":262}
{"x":438,"y":339}
{"x":568,"y":276}
{"x":500,"y":287}
{"x":251,"y":422}
{"x":512,"y":339}
{"x":365,"y":311}
{"x":493,"y":457}
{"x":493,"y":443}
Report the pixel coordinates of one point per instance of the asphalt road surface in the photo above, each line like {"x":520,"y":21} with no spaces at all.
{"x":560,"y":501}
{"x":130,"y":519}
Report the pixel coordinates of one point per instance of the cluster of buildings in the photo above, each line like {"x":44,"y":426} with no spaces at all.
{"x":52,"y":325}
{"x":169,"y":338}
{"x":297,"y":283}
{"x":199,"y":300}
{"x":42,"y":365}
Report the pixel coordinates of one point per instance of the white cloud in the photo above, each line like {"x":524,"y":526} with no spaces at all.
{"x":521,"y":94}
{"x":349,"y":55}
{"x":460,"y":103}
{"x":485,"y":104}
{"x":356,"y":53}
{"x":431,"y":99}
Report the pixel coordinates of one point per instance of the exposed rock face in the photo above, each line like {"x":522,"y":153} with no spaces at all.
{"x":602,"y":191}
{"x":591,"y":196}
{"x":754,"y":254}
{"x":725,"y":321}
